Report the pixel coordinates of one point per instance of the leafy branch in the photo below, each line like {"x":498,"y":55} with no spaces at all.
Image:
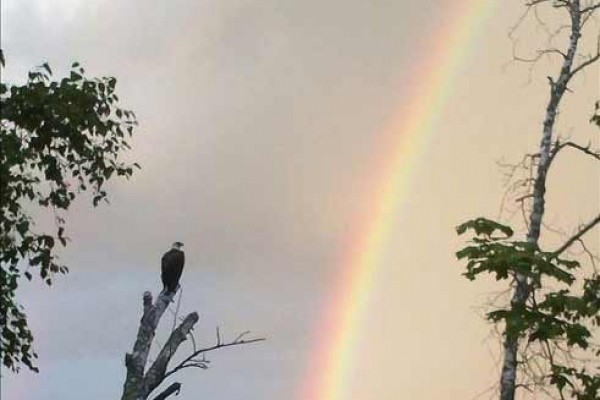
{"x":565,"y":314}
{"x":58,"y":139}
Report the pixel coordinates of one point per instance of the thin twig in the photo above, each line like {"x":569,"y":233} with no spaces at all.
{"x":188,"y":361}
{"x":578,"y":235}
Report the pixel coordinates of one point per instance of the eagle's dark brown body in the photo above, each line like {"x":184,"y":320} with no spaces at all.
{"x":171,"y":268}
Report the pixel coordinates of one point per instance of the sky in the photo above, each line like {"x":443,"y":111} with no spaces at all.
{"x":263,"y":129}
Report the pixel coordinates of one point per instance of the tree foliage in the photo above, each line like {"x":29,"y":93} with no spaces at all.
{"x":551,"y":323}
{"x":58,"y":139}
{"x":595,"y":119}
{"x":565,"y":313}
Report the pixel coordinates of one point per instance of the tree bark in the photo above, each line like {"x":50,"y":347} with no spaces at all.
{"x":522,"y":291}
{"x":173,"y":388}
{"x":156,"y":372}
{"x":138,"y":385}
{"x":139,"y":382}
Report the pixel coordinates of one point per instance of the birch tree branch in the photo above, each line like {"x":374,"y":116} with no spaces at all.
{"x":559,"y":146}
{"x":591,"y":8}
{"x":584,"y":64}
{"x":578,"y":235}
{"x":586,"y":149}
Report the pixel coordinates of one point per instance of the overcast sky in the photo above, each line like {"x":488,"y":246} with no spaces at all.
{"x":261,"y":127}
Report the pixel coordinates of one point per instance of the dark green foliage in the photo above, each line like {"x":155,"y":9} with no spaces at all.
{"x":571,"y":378}
{"x":596,"y":117}
{"x":503,"y":257}
{"x":564,"y":315}
{"x":58,"y":139}
{"x":485,"y":227}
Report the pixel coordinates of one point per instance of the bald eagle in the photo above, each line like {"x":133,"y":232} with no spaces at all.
{"x":172,"y":267}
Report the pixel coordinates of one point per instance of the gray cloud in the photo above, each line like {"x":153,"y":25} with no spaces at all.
{"x":261,"y":133}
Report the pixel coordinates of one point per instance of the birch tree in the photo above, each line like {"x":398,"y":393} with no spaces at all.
{"x":553,"y":314}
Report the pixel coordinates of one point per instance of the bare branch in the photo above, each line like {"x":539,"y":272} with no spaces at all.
{"x":591,"y":8}
{"x":138,"y":386}
{"x":588,"y":14}
{"x":175,"y":387}
{"x":524,"y":197}
{"x":155,"y":374}
{"x":532,"y":3}
{"x":189,"y":360}
{"x":581,"y":66}
{"x":240,"y":336}
{"x":518,"y":188}
{"x":578,"y":235}
{"x":558,"y":146}
{"x":593,"y":258}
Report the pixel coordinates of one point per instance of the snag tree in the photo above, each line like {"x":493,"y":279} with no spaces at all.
{"x":142,"y":380}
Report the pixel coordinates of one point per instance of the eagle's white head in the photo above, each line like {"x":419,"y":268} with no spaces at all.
{"x":177,"y":246}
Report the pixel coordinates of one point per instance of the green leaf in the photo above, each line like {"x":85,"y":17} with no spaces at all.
{"x":484,"y":226}
{"x":53,"y":131}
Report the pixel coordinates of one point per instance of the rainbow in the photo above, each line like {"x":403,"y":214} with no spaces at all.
{"x":409,"y":131}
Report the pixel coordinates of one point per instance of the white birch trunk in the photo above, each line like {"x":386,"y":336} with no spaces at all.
{"x":522,"y":291}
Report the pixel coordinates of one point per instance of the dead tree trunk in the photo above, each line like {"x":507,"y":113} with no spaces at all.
{"x":140,"y":381}
{"x":138,"y":384}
